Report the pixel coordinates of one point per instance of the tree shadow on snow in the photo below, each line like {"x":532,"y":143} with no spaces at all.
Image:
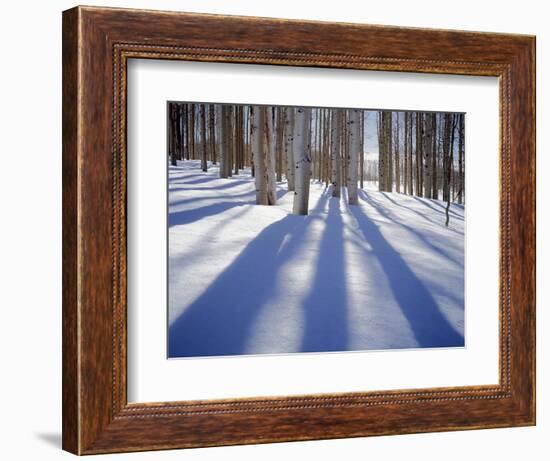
{"x":419,"y":214}
{"x":436,"y":248}
{"x":429,"y":326}
{"x":205,"y":178}
{"x":219,"y":322}
{"x":325,"y":308}
{"x":178,"y":218}
{"x":177,"y":173}
{"x":439,"y":207}
{"x":227,"y":185}
{"x":249,"y":194}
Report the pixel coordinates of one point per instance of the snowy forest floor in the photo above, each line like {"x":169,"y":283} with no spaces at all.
{"x":251,"y":279}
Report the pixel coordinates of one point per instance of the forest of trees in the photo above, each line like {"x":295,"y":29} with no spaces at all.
{"x":419,"y":153}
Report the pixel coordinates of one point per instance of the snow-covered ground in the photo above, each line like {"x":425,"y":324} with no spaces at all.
{"x":250,"y":279}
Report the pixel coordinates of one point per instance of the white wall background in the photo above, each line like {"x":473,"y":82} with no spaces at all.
{"x":30,"y":230}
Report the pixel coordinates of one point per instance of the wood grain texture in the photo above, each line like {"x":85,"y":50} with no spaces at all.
{"x":70,"y":383}
{"x":97,"y":43}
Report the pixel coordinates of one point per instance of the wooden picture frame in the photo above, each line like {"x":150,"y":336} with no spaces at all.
{"x":97,"y":43}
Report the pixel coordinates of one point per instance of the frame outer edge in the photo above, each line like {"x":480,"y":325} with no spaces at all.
{"x":70,"y":216}
{"x":533,"y":181}
{"x":533,"y":51}
{"x":523,"y":238}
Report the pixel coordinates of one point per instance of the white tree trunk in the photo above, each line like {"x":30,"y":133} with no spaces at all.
{"x":289,"y":128}
{"x":218,"y":129}
{"x":335,"y":151}
{"x":224,"y":140}
{"x":428,"y":126}
{"x":354,"y":125}
{"x":257,"y":123}
{"x":204,"y":160}
{"x":270,"y":156}
{"x":302,"y":161}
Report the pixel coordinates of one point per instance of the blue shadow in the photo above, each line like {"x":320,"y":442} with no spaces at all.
{"x":440,"y":208}
{"x":219,"y":322}
{"x":325,"y":308}
{"x":429,"y":326}
{"x":178,"y":218}
{"x":383,"y":212}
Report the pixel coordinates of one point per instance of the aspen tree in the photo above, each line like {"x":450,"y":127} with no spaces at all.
{"x":446,"y":154}
{"x":381,"y":152}
{"x":289,"y":146}
{"x":385,"y":164}
{"x":388,"y":145}
{"x":410,"y":140}
{"x":234,"y":141}
{"x":279,"y":142}
{"x":269,"y":137}
{"x":256,"y":125}
{"x":172,"y":133}
{"x":396,"y":161}
{"x":204,"y":164}
{"x":218,"y":130}
{"x":179,"y":132}
{"x":335,"y":151}
{"x":419,"y":152}
{"x":345,"y":149}
{"x":326,"y":148}
{"x":191,"y":129}
{"x":460,"y":194}
{"x":224,"y":141}
{"x":427,"y":157}
{"x":354,"y":125}
{"x":212,"y":132}
{"x":406,"y":153}
{"x":434,"y":157}
{"x":185,"y":127}
{"x":450,"y":162}
{"x":321,"y":122}
{"x":362,"y":150}
{"x":302,"y":161}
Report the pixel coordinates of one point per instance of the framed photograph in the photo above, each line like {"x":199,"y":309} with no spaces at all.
{"x":281,"y":230}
